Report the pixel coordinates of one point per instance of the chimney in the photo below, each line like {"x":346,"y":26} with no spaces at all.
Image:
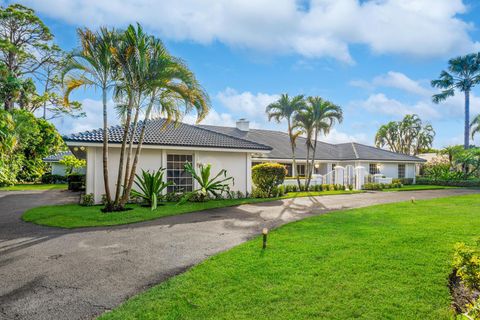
{"x":243,"y":124}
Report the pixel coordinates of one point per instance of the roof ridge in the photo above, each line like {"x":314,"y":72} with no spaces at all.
{"x":355,"y":150}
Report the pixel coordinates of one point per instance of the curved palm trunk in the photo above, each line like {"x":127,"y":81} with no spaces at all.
{"x":466,"y":144}
{"x":292,"y":145}
{"x":306,"y":166}
{"x":128,"y":186}
{"x":108,"y":205}
{"x":122,"y":156}
{"x":312,"y":165}
{"x":130,"y":148}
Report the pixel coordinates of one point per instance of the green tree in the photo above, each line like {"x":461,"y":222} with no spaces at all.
{"x":286,"y":108}
{"x":72,"y":163}
{"x":304,"y":123}
{"x":324,"y":115}
{"x":475,"y":126}
{"x":462,"y":75}
{"x":92,"y":65}
{"x":408,"y":136}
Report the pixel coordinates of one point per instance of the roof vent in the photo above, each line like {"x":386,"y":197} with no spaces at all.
{"x":243,"y":124}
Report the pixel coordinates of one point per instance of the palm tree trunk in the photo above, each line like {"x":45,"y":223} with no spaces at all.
{"x":312,"y":166}
{"x":128,"y":186}
{"x":306,"y":166}
{"x":130,"y":148}
{"x":122,"y":155}
{"x":292,"y":145}
{"x":108,"y":205}
{"x":466,"y":144}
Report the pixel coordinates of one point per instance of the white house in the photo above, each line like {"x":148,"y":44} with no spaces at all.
{"x":235,"y":149}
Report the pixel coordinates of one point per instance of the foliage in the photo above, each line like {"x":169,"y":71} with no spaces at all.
{"x":151,"y":186}
{"x":463,"y":74}
{"x":49,"y":178}
{"x":408,"y":136}
{"x":381,"y":186}
{"x":267,"y":176}
{"x":449,"y":182}
{"x":208,"y":186}
{"x":87,"y":200}
{"x":76,"y":182}
{"x":72,"y":163}
{"x":403,"y":181}
{"x":456,"y":164}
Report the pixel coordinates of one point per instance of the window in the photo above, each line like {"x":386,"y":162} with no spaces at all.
{"x":301,"y":170}
{"x":176,"y":173}
{"x":373,"y":168}
{"x":401,"y":171}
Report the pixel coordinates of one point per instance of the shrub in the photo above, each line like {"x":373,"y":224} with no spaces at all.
{"x":451,"y":183}
{"x":209,"y":187}
{"x":72,"y":163}
{"x":466,"y":262}
{"x":331,"y":187}
{"x":267,"y":176}
{"x":76,"y":182}
{"x":49,"y":178}
{"x":350,"y":187}
{"x":240,"y":195}
{"x":173,"y":196}
{"x":87,"y":200}
{"x":259,"y":193}
{"x":280,"y":190}
{"x":150,"y":187}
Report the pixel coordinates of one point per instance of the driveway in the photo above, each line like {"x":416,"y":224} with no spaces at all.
{"x":49,"y":273}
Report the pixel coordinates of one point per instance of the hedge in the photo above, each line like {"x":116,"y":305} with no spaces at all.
{"x":451,"y":183}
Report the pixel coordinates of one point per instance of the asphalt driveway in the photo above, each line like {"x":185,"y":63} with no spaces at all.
{"x":50,"y":273}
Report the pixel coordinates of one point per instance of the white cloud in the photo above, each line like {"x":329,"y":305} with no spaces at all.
{"x":246,"y":103}
{"x":380,"y":103}
{"x":400,"y":81}
{"x":323,"y":28}
{"x":336,"y":136}
{"x":212,"y":118}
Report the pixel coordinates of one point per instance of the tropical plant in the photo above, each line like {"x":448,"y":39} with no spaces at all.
{"x":463,"y":74}
{"x":151,"y":186}
{"x":286,"y":108}
{"x":93,"y":66}
{"x":72,"y":163}
{"x":149,"y":73}
{"x":324,"y":115}
{"x":475,"y":126}
{"x":208,"y":186}
{"x":267,"y":177}
{"x":408,"y":136}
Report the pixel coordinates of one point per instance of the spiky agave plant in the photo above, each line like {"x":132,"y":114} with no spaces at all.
{"x":151,"y":186}
{"x":207,"y":185}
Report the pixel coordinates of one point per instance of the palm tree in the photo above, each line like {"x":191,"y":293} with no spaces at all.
{"x":475,"y":125}
{"x":324,"y":115}
{"x":162,"y":80}
{"x":305,"y":124}
{"x":286,"y":108}
{"x":463,"y":74}
{"x":93,"y":66}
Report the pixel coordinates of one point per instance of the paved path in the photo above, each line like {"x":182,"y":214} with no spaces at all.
{"x":49,"y":273}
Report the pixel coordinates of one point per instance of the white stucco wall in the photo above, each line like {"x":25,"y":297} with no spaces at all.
{"x":237,"y":164}
{"x":390,"y":169}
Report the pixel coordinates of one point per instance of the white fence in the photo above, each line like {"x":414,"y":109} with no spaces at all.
{"x":347,"y":176}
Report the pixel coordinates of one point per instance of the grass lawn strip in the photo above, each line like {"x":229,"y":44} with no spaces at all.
{"x":74,"y":216}
{"x":418,"y":187}
{"x":34,"y":187}
{"x":383,"y":262}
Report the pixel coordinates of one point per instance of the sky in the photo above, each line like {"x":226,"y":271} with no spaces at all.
{"x":374,"y":58}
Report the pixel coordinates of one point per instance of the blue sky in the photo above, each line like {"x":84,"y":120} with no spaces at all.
{"x":374,"y":58}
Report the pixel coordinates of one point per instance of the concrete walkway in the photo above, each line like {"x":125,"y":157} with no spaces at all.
{"x":50,"y":273}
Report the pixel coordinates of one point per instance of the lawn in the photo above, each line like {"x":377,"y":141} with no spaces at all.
{"x":75,"y":216}
{"x":382,"y":262}
{"x":34,"y":187}
{"x":418,"y":187}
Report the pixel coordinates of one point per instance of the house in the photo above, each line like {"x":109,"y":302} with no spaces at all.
{"x":57,"y":167}
{"x":235,"y":149}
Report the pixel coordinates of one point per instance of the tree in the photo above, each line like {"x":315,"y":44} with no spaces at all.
{"x":475,"y":126}
{"x":149,"y":74}
{"x":286,"y":108}
{"x":463,"y":74}
{"x":304,"y":122}
{"x":93,"y":65}
{"x":72,"y":163}
{"x":408,"y":136}
{"x":324,"y":115}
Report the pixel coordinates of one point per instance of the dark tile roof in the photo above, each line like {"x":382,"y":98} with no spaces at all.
{"x":181,"y":134}
{"x":58,"y":156}
{"x":280,"y":143}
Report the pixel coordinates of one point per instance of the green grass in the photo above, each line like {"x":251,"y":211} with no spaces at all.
{"x":418,"y":187}
{"x":382,"y":262}
{"x":33,"y":187}
{"x":74,"y":216}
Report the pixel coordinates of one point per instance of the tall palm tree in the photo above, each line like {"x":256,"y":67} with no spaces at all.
{"x":93,"y":66}
{"x":286,"y":108}
{"x":305,"y":124}
{"x":475,"y":125}
{"x":171,"y":88}
{"x":463,"y":74}
{"x":324,"y":115}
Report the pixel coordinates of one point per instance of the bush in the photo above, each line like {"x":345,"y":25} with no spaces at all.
{"x":381,"y":186}
{"x":49,"y":178}
{"x":76,"y":182}
{"x":451,"y":183}
{"x":240,"y":195}
{"x":267,"y":176}
{"x":87,"y":200}
{"x":280,"y":191}
{"x":174,"y":196}
{"x":350,"y":187}
{"x":259,"y":193}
